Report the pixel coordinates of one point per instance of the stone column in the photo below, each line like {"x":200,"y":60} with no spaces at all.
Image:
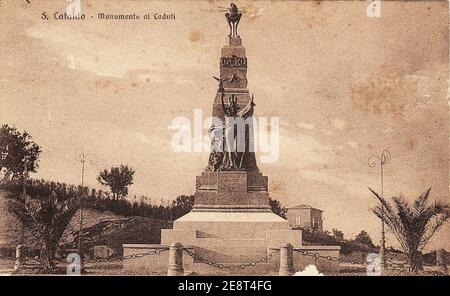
{"x":19,"y":257}
{"x":175,"y":259}
{"x":441,"y":261}
{"x":286,"y":260}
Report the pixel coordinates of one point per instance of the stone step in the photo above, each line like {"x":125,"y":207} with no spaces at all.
{"x":227,"y":243}
{"x":229,"y":250}
{"x":221,"y":223}
{"x":241,"y":234}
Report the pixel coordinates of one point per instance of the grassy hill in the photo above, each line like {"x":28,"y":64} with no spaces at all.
{"x":10,"y":226}
{"x":100,"y":228}
{"x":118,"y":231}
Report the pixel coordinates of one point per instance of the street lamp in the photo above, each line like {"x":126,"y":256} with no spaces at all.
{"x":373,"y":161}
{"x":24,"y":194}
{"x":82,"y":157}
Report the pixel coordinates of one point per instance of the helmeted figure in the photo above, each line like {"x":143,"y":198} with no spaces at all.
{"x":227,"y":138}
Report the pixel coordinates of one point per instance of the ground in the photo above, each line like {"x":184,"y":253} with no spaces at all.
{"x":104,"y":228}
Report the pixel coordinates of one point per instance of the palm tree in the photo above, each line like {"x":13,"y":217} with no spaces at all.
{"x":413,"y":224}
{"x":46,"y":212}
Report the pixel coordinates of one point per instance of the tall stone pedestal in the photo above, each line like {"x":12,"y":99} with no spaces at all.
{"x":231,"y":223}
{"x":231,"y":191}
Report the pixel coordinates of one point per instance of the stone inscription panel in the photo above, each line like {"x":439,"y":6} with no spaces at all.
{"x":232,"y":182}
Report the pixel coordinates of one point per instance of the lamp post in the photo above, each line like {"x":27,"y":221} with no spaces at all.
{"x":24,"y":195}
{"x":19,"y":249}
{"x":373,"y":161}
{"x":82,"y":157}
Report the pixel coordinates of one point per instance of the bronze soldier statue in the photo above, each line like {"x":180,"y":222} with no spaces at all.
{"x":229,"y":161}
{"x":225,"y":155}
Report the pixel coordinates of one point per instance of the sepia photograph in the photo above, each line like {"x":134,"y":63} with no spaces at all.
{"x":224,"y":138}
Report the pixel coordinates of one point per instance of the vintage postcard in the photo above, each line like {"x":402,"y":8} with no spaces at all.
{"x":224,"y":138}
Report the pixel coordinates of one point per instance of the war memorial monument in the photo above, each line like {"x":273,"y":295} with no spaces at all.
{"x":231,"y":228}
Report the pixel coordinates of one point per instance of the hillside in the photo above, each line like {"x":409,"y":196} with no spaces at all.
{"x":113,"y":233}
{"x":100,"y":228}
{"x":10,"y":226}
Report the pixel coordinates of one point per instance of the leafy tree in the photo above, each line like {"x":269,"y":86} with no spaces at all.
{"x":46,"y":212}
{"x":277,"y":208}
{"x":364,"y":239}
{"x":18,"y":152}
{"x":338,"y":235}
{"x":117,"y":179}
{"x":348,"y":247}
{"x":413,"y":224}
{"x":182,"y":205}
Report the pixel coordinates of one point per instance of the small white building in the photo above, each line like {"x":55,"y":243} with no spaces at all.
{"x":306,"y":217}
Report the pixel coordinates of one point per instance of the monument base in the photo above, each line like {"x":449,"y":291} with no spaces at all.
{"x":230,"y":230}
{"x":230,"y":243}
{"x":231,"y":238}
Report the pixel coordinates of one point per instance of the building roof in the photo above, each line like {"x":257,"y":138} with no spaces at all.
{"x":304,"y":206}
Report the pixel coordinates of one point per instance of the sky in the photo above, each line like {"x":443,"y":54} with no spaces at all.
{"x":343,"y":85}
